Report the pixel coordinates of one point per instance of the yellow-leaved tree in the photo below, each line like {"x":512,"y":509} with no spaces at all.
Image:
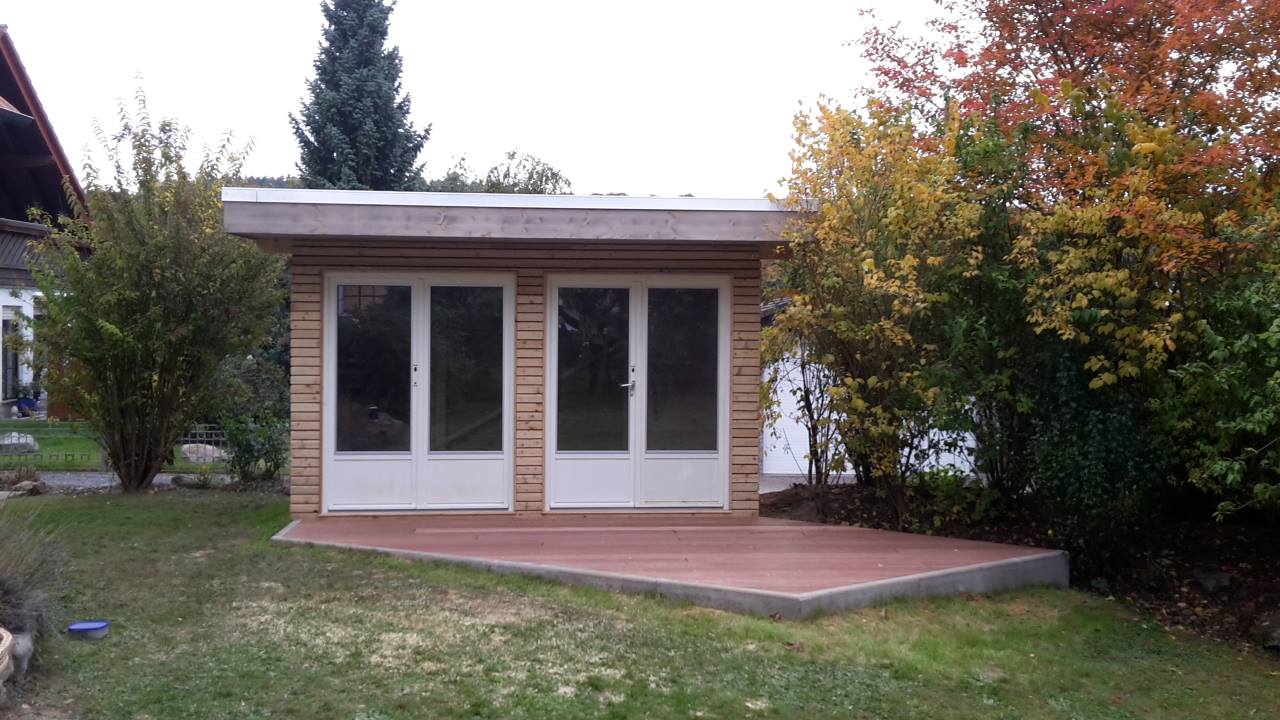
{"x":882,"y":222}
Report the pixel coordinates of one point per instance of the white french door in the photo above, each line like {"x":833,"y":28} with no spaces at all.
{"x":637,"y":391}
{"x":418,"y":391}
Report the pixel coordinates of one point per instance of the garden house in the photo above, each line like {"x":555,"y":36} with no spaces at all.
{"x":515,"y":353}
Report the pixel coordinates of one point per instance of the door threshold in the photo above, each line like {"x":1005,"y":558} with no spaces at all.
{"x":415,"y":511}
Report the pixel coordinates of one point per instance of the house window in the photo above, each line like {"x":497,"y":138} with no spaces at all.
{"x":681,"y":387}
{"x":593,"y":342}
{"x":466,"y":368}
{"x":374,"y":342}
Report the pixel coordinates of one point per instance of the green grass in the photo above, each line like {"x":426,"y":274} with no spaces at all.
{"x":63,"y":446}
{"x":212,"y":620}
{"x":69,"y":446}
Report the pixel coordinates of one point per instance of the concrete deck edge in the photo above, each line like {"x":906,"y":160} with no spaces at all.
{"x":1047,"y":568}
{"x":284,"y":531}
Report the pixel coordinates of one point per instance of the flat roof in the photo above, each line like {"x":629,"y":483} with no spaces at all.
{"x":495,"y":200}
{"x":271,"y":213}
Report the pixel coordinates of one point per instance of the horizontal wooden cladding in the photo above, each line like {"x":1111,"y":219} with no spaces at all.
{"x":744,"y":376}
{"x":530,"y":262}
{"x":305,"y":293}
{"x":287,"y":224}
{"x":530,"y":341}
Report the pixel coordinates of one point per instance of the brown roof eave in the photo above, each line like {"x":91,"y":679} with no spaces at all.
{"x":24,"y":228}
{"x":10,"y":56}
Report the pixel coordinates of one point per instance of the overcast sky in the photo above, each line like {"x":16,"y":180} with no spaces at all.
{"x":646,"y":98}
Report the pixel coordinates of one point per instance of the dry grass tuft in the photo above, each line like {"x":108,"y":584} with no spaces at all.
{"x":31,"y":566}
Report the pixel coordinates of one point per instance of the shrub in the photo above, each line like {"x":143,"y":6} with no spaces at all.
{"x":864,"y":277}
{"x":1225,"y":404}
{"x":250,"y":386}
{"x":1098,"y":466}
{"x":143,"y":303}
{"x":259,"y":447}
{"x":946,"y":495}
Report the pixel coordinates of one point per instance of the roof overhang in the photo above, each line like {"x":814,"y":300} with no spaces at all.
{"x":276,"y":215}
{"x":11,"y":115}
{"x":35,"y":113}
{"x":24,"y":228}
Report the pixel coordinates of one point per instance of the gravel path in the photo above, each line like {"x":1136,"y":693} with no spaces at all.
{"x":86,"y":480}
{"x":90,"y":479}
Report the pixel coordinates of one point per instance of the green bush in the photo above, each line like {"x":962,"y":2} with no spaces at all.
{"x":1224,"y":407}
{"x":250,"y":386}
{"x":145,"y":294}
{"x":259,"y":447}
{"x":1098,"y":466}
{"x":943,"y":496}
{"x":253,"y":411}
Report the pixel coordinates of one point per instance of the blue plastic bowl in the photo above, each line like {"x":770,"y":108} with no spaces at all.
{"x":89,"y":629}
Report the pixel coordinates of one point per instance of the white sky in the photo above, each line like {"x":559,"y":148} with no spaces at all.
{"x":646,"y":98}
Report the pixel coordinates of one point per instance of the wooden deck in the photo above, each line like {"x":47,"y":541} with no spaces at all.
{"x":747,"y":564}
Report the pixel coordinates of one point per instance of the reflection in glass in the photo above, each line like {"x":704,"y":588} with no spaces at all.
{"x":374,"y":340}
{"x":592,"y":407}
{"x":681,"y":381}
{"x":466,"y":368}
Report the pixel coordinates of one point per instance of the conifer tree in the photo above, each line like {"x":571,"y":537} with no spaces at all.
{"x":354,"y":131}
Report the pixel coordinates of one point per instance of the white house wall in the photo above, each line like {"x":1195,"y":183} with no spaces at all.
{"x":785,"y":444}
{"x":15,"y":303}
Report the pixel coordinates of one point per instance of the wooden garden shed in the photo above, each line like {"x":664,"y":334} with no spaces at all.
{"x":515,"y":353}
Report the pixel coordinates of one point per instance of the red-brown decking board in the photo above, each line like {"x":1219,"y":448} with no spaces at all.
{"x":743,"y":558}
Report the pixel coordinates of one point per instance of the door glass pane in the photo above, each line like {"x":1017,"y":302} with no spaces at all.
{"x":373,"y":355}
{"x":681,"y":383}
{"x":591,"y":405}
{"x":466,"y":368}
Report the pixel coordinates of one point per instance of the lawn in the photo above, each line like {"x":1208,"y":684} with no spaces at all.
{"x":63,"y":446}
{"x":68,"y":446}
{"x":212,"y":620}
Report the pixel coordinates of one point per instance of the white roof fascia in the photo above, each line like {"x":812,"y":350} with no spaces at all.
{"x":494,"y":200}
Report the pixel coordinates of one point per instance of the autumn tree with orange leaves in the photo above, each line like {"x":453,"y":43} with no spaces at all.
{"x":1114,"y":175}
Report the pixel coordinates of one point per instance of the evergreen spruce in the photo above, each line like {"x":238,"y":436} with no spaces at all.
{"x":355,"y":131}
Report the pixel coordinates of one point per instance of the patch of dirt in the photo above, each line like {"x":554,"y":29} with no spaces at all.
{"x":33,"y":701}
{"x":1213,"y":579}
{"x":392,"y":626}
{"x":397,"y":650}
{"x":392,"y":631}
{"x":23,"y":711}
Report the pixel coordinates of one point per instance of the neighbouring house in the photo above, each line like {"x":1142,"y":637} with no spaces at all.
{"x":476,"y":352}
{"x":785,"y":458}
{"x":34,"y":173}
{"x":785,"y":450}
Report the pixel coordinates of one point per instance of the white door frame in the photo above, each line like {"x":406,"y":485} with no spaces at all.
{"x":419,"y":463}
{"x":651,"y":464}
{"x":717,"y":464}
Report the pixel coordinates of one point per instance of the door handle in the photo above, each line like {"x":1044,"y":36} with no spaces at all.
{"x":630,"y":386}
